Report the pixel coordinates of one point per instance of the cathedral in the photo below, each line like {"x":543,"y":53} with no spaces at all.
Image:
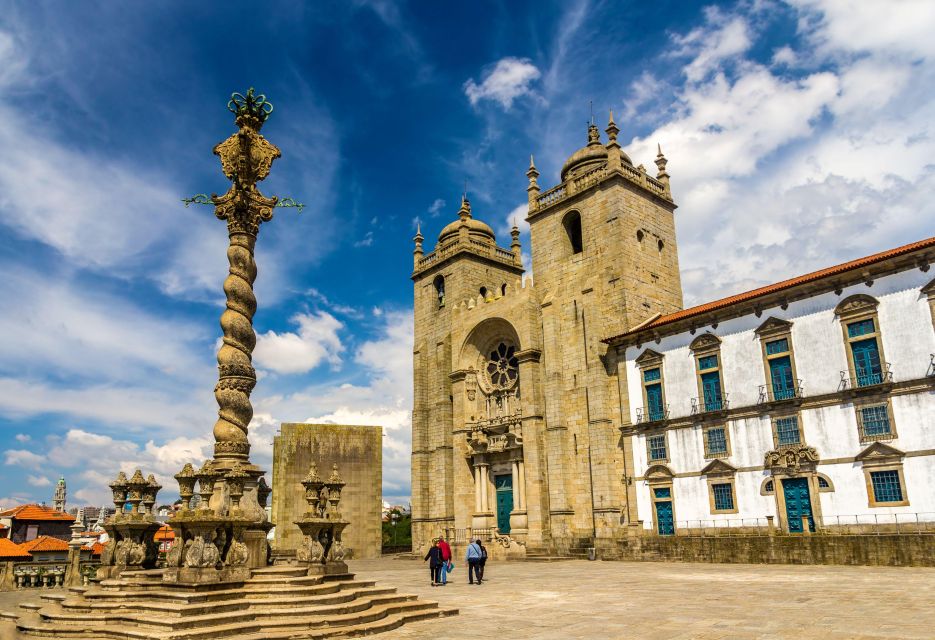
{"x":591,"y":407}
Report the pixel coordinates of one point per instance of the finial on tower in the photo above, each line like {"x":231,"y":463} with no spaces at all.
{"x":612,"y":130}
{"x":465,"y":211}
{"x":417,"y":252}
{"x":594,"y":134}
{"x":533,"y":189}
{"x":515,"y":247}
{"x":662,"y":175}
{"x":250,"y":110}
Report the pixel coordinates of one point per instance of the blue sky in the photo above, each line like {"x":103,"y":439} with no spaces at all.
{"x":799,"y":134}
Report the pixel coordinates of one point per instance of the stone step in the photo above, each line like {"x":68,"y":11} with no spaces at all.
{"x":284,"y":579}
{"x":340,"y":596}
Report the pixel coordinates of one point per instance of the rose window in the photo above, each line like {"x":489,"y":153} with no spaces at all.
{"x":503,"y":367}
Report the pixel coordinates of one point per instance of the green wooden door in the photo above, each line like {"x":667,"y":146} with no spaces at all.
{"x":504,"y":485}
{"x":798,"y":504}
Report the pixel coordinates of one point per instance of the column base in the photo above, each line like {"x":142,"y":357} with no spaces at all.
{"x":206,"y":575}
{"x":518,"y":522}
{"x":483,"y":520}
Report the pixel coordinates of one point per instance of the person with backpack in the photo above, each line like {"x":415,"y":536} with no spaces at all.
{"x":483,"y":560}
{"x":473,"y":557}
{"x":446,"y":560}
{"x":434,"y":556}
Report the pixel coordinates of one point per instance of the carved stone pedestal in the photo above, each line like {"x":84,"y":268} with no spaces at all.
{"x":130,"y":544}
{"x":322,"y":550}
{"x":208,"y":548}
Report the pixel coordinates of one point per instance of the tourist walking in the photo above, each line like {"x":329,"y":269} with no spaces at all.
{"x":473,"y":557}
{"x":446,"y":560}
{"x":434,"y":556}
{"x":482,"y":563}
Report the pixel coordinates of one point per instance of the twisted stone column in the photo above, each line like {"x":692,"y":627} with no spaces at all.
{"x":246,"y":158}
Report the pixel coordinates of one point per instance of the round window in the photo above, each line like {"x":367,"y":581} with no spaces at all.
{"x":503,"y":367}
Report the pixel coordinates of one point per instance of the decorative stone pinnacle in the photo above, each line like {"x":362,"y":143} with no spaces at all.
{"x":612,"y":130}
{"x":250,"y":108}
{"x":594,"y":134}
{"x":335,"y":477}
{"x":465,"y":211}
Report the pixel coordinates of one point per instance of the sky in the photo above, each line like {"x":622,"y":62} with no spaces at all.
{"x":799,"y":135}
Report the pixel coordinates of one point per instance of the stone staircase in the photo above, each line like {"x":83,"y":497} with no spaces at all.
{"x":275,"y":604}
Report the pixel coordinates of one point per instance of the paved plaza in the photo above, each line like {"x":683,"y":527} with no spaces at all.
{"x":656,"y":601}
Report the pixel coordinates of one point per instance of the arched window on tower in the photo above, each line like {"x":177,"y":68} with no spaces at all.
{"x":439,"y":283}
{"x":572,"y":224}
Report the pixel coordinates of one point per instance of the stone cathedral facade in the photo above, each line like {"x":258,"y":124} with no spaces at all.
{"x":561,"y":415}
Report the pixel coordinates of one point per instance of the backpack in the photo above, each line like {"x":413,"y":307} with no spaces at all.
{"x":483,"y":552}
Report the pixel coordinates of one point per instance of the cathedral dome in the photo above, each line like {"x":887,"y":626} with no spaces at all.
{"x":476,"y":228}
{"x":589,"y":157}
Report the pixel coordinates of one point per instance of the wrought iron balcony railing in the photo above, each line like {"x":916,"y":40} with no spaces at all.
{"x":645,"y":415}
{"x":769,"y":393}
{"x":708,"y":405}
{"x":867,"y":377}
{"x":931,"y":371}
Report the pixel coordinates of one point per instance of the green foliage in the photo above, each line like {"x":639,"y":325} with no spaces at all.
{"x":401,"y":534}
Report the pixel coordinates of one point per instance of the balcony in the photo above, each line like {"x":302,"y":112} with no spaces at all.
{"x":867,"y":378}
{"x":649,"y":415}
{"x":710,"y":405}
{"x":770,"y":395}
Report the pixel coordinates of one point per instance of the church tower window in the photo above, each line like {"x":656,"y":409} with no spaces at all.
{"x":439,"y":284}
{"x":572,"y":224}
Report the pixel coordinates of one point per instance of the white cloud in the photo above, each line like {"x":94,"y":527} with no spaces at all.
{"x":722,"y":37}
{"x":777,"y":175}
{"x":506,"y":81}
{"x":38,"y":481}
{"x":436,"y":207}
{"x":23,"y":458}
{"x":317,"y":340}
{"x":366,"y":241}
{"x":22,"y":437}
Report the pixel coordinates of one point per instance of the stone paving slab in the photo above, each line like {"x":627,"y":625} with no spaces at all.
{"x":654,"y":601}
{"x":660,"y":601}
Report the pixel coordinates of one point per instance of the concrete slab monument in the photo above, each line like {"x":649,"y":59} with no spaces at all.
{"x":358,"y":452}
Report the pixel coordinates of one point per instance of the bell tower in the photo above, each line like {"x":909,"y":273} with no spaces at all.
{"x":605,"y":259}
{"x":58,"y":498}
{"x":466,"y":263}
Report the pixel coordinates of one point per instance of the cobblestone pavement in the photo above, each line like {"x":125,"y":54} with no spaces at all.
{"x":656,"y":601}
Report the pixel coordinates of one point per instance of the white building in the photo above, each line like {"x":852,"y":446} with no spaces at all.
{"x":809,"y":403}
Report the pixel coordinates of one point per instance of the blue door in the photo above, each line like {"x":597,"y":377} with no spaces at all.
{"x":504,"y":485}
{"x":798,"y":504}
{"x":867,"y":362}
{"x":711,"y":388}
{"x":665,"y":525}
{"x":780,"y":372}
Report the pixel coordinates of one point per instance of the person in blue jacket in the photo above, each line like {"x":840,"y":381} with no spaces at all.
{"x":473,"y":557}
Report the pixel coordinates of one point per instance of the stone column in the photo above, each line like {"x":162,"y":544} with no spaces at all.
{"x":518,"y":520}
{"x":482,"y":517}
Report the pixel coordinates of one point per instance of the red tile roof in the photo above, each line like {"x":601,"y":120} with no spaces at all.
{"x":95,"y":548}
{"x":9,"y":550}
{"x":36,"y":512}
{"x":779,"y":286}
{"x":45,"y":543}
{"x":165,"y":534}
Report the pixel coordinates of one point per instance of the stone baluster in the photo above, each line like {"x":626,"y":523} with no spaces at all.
{"x":186,"y":480}
{"x":136,"y":486}
{"x":119,"y":489}
{"x":236,"y":478}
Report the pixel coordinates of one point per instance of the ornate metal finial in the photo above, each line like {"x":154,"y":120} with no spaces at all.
{"x":251,"y":105}
{"x":594,"y":134}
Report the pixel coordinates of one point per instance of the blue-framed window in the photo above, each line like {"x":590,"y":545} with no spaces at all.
{"x":716,"y":441}
{"x":875,"y":420}
{"x":663,"y":493}
{"x":723,"y":496}
{"x":886,"y":486}
{"x":709,"y":374}
{"x":787,"y":431}
{"x":707,"y":362}
{"x":861,"y":328}
{"x":777,"y":346}
{"x":652,"y":384}
{"x":657,"y":447}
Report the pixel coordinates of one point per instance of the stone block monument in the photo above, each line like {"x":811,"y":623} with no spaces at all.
{"x":357,"y":451}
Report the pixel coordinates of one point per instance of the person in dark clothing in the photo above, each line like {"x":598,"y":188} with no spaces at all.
{"x":482,"y":562}
{"x":473,"y":558}
{"x":434,"y":556}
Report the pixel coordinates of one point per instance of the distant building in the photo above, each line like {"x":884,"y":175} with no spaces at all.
{"x":58,"y":498}
{"x":29,"y":521}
